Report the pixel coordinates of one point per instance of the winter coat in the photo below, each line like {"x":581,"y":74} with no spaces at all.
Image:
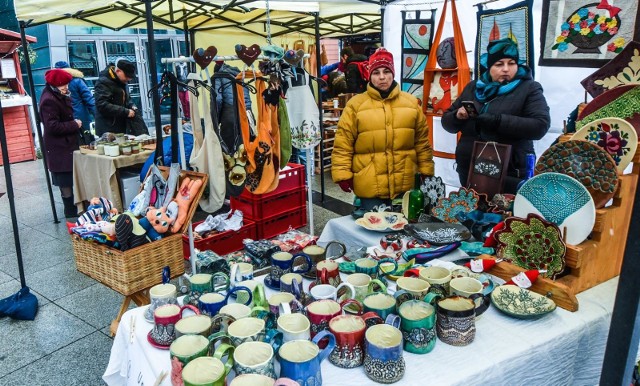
{"x":60,"y":130}
{"x":113,"y":103}
{"x":381,"y":144}
{"x":356,"y":83}
{"x":84,"y":106}
{"x":524,"y":118}
{"x":225,"y":102}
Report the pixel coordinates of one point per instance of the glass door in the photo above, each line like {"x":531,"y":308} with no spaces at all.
{"x":127,"y":49}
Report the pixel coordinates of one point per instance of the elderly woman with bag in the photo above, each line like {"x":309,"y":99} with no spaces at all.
{"x":382,"y":139}
{"x":61,"y":133}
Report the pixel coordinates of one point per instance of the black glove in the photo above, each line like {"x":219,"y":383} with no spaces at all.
{"x":488,"y":122}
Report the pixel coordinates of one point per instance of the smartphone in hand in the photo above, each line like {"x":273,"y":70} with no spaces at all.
{"x":470,"y":106}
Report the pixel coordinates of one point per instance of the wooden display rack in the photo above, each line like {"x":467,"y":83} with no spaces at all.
{"x":596,"y":259}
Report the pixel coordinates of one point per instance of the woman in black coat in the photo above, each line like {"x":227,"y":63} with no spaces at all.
{"x":512,"y":110}
{"x":61,"y":132}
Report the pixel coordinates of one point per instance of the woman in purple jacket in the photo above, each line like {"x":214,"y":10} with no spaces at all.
{"x":60,"y":134}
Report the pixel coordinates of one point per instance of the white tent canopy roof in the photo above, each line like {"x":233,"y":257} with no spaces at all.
{"x":337,"y":17}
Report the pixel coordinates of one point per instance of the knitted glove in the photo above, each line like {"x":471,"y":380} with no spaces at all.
{"x":346,"y":185}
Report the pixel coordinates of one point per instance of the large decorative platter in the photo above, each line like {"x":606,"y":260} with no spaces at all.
{"x":383,"y":221}
{"x":462,"y":201}
{"x":614,"y":135}
{"x":587,"y":163}
{"x":438,"y":233}
{"x":560,"y":199}
{"x":520,"y":302}
{"x":433,"y":189}
{"x":532,"y":243}
{"x":620,"y":102}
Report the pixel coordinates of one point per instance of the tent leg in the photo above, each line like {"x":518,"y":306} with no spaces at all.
{"x":34,"y":103}
{"x":309,"y":189}
{"x":319,"y":65}
{"x":153,"y":73}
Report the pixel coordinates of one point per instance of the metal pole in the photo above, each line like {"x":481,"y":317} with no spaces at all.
{"x":624,"y":332}
{"x":34,"y":103}
{"x":12,"y":204}
{"x":319,"y":65}
{"x":383,"y":5}
{"x":153,"y":73}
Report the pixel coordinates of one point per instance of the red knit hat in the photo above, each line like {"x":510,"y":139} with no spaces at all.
{"x":57,"y":77}
{"x":381,"y":58}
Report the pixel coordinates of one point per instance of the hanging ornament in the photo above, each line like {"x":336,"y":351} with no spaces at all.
{"x":204,"y":57}
{"x":248,"y":54}
{"x":526,"y":279}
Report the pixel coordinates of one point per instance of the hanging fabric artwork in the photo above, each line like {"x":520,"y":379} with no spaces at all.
{"x":304,"y":118}
{"x":263,"y":149}
{"x":417,"y":32}
{"x":514,"y":22}
{"x":586,"y":33}
{"x":206,"y":156}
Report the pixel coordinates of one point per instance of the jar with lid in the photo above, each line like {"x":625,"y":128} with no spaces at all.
{"x":125,"y":148}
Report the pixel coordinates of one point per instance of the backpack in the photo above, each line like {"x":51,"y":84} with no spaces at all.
{"x":357,"y":76}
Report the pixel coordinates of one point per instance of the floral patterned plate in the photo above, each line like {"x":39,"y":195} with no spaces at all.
{"x":560,"y":199}
{"x":587,"y":163}
{"x":520,"y":302}
{"x":383,"y":221}
{"x":438,"y":233}
{"x":614,"y":135}
{"x":532,"y":243}
{"x":433,"y":189}
{"x":620,"y":102}
{"x":464,"y":200}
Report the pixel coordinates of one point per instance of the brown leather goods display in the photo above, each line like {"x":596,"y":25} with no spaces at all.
{"x":488,"y":167}
{"x":263,"y":149}
{"x":447,"y":83}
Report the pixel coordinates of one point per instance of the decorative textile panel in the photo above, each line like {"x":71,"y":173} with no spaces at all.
{"x":417,"y":33}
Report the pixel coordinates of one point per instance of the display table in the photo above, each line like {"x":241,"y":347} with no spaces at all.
{"x":96,"y":175}
{"x":561,"y":348}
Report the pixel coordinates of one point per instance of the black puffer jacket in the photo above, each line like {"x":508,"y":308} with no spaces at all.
{"x":113,"y":103}
{"x":356,"y":83}
{"x":524,"y":118}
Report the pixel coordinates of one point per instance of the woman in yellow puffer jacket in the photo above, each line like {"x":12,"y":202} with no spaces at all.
{"x":382,"y":139}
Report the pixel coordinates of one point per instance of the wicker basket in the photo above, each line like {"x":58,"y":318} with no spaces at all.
{"x":138,"y":268}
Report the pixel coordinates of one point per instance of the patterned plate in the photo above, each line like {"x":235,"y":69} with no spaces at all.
{"x":620,"y":102}
{"x":464,"y":200}
{"x":587,"y":163}
{"x":433,"y":189}
{"x":532,"y":243}
{"x":382,"y":221}
{"x":560,"y":199}
{"x":520,"y":302}
{"x":614,"y":135}
{"x":438,"y":233}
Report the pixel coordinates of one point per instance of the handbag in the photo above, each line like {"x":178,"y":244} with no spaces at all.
{"x":85,"y":137}
{"x":136,"y":125}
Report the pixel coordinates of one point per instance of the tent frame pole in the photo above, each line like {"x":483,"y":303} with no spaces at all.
{"x":34,"y":104}
{"x":153,"y":73}
{"x":319,"y":69}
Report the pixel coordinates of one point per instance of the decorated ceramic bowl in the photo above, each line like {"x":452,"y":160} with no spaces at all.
{"x":520,"y":302}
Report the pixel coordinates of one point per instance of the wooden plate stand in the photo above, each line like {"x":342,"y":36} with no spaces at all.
{"x":596,"y":259}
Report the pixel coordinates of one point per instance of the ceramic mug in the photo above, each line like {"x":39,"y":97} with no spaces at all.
{"x":248,"y":330}
{"x":294,"y":327}
{"x":240,"y":272}
{"x":418,"y":322}
{"x":292,"y":283}
{"x":438,"y":278}
{"x":456,"y":320}
{"x":161,"y":294}
{"x":239,"y":311}
{"x":165,"y":319}
{"x":383,"y":361}
{"x":371,"y":267}
{"x":285,"y":382}
{"x":283,"y":262}
{"x":300,"y":360}
{"x":243,"y":297}
{"x":327,"y":291}
{"x":209,"y":371}
{"x":254,"y":358}
{"x":320,"y":312}
{"x":349,"y":334}
{"x":211,"y":303}
{"x":252,"y":380}
{"x":416,"y":287}
{"x":364,"y":285}
{"x":285,"y":301}
{"x":202,"y":283}
{"x":468,"y":287}
{"x":381,"y":303}
{"x":327,"y":273}
{"x":185,"y":349}
{"x":194,"y":325}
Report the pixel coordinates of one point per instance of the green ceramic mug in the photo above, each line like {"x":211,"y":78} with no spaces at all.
{"x":418,"y":326}
{"x":202,"y":283}
{"x":185,"y":349}
{"x":209,"y":371}
{"x":380,"y":303}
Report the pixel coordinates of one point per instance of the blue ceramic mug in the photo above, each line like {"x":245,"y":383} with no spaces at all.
{"x":211,"y":303}
{"x":300,"y":360}
{"x":283,"y":262}
{"x":383,"y":361}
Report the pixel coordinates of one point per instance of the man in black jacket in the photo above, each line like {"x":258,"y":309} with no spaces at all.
{"x":113,"y":102}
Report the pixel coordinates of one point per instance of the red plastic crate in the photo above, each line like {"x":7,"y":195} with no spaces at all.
{"x":258,"y":207}
{"x":224,"y":242}
{"x":280,"y":223}
{"x":292,"y":178}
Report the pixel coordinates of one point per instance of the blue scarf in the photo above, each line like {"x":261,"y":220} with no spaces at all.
{"x":487,"y":89}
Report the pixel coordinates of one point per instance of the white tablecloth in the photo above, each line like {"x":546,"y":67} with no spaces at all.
{"x":562,"y":348}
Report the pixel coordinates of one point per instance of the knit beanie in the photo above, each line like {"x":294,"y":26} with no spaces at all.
{"x":57,"y":77}
{"x":501,"y":49}
{"x":381,"y":58}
